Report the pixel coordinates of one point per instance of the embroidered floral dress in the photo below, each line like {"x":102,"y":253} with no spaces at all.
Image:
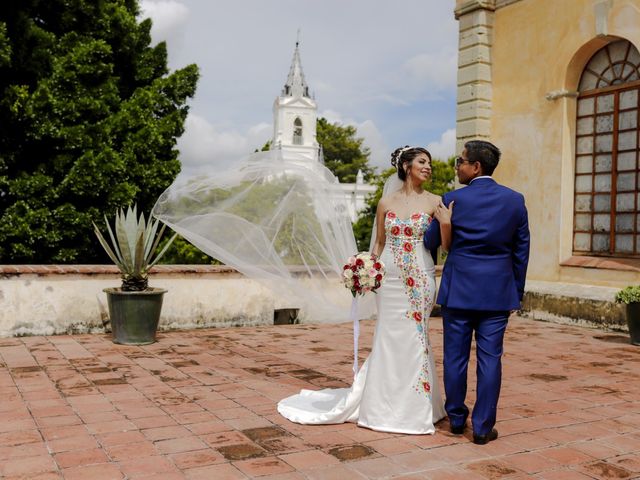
{"x":397,"y":389}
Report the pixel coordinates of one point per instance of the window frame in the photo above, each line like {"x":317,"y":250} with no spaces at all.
{"x":615,"y":190}
{"x":298,"y":138}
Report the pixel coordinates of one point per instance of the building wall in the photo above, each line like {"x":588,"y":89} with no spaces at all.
{"x":288,"y":115}
{"x":354,"y":195}
{"x":524,"y":72}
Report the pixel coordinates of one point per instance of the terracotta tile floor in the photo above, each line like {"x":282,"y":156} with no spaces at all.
{"x":200,"y":404}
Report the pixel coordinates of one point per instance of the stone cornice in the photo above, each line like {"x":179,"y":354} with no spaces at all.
{"x":43,"y":270}
{"x":463,"y":7}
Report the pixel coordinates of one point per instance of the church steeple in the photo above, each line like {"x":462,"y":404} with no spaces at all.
{"x":296,"y":85}
{"x":295,"y":115}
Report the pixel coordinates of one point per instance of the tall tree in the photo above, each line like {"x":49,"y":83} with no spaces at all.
{"x":344,"y":152}
{"x":89,"y":117}
{"x":441,"y":182}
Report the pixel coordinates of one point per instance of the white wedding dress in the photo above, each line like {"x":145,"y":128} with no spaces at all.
{"x":397,"y":388}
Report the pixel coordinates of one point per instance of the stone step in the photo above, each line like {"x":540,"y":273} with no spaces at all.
{"x":575,"y":304}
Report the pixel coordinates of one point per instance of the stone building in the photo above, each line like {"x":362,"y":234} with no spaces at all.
{"x":555,"y":84}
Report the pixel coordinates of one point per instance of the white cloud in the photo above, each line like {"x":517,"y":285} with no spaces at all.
{"x":204,"y":144}
{"x":445,"y":147}
{"x":380,"y":156}
{"x":373,"y":138}
{"x":169,"y":19}
{"x":435,"y":70}
{"x":389,"y":99}
{"x":333,"y":117}
{"x":402,"y":80}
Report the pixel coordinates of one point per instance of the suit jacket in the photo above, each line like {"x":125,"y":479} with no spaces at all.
{"x":487,"y":263}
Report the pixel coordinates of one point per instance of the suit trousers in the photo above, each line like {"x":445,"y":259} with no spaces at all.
{"x":489,"y":327}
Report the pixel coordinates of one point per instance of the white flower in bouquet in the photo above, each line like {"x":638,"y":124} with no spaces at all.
{"x":363,"y":273}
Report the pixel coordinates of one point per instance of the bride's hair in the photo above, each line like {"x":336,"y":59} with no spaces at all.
{"x":404,"y":156}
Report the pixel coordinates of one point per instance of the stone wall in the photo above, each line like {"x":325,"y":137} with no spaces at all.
{"x":473,"y":111}
{"x":46,"y":300}
{"x":519,"y":65}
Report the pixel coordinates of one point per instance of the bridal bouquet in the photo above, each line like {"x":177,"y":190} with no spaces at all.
{"x":362,"y":273}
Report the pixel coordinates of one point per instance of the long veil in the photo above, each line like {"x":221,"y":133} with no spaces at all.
{"x":278,"y":220}
{"x":391,"y":185}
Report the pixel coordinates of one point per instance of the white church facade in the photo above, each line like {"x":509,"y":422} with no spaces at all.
{"x":295,"y":114}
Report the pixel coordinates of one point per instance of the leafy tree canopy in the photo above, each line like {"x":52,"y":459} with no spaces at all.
{"x":89,"y":117}
{"x":344,"y":152}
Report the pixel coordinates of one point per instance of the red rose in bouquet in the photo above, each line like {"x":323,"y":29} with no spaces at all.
{"x":363,"y":273}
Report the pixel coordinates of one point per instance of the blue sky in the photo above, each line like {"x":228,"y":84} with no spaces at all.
{"x":388,"y":68}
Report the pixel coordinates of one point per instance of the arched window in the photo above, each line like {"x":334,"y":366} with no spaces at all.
{"x":297,"y":131}
{"x":606,"y":219}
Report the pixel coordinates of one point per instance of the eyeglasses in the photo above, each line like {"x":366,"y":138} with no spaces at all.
{"x":460,"y":161}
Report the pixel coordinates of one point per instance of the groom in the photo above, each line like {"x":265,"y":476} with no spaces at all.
{"x":482,"y":282}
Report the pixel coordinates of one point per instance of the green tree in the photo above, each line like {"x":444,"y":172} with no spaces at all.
{"x":265,"y":148}
{"x":364,"y":224}
{"x":441,"y":182}
{"x":181,"y":252}
{"x":344,"y":153}
{"x":89,"y":119}
{"x":442,"y":176}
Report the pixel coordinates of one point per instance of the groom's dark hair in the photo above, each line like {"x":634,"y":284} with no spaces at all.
{"x":486,"y":153}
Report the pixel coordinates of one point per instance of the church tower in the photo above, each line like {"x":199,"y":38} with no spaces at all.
{"x":295,"y":114}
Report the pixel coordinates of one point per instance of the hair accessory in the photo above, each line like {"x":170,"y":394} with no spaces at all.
{"x":399,"y":155}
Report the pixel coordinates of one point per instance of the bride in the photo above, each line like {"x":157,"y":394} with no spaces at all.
{"x":397,"y":388}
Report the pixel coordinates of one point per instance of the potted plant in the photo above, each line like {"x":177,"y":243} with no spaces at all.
{"x":631,"y":297}
{"x":134,"y":308}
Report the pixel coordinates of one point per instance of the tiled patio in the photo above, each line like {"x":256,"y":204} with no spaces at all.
{"x":200,"y":404}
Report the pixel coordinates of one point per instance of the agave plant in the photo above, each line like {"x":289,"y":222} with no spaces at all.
{"x":133,"y":247}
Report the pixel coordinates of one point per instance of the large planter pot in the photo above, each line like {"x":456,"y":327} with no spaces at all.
{"x":134,"y":315}
{"x":633,"y":321}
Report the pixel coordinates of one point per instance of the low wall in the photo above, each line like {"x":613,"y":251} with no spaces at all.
{"x":576,"y":304}
{"x":56,"y":299}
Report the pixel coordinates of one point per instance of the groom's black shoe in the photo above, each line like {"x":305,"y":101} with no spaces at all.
{"x":484,"y":439}
{"x":458,"y":430}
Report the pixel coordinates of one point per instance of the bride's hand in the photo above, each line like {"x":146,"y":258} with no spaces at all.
{"x":443,"y":214}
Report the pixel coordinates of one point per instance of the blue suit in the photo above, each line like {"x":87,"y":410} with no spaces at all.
{"x":483,"y":279}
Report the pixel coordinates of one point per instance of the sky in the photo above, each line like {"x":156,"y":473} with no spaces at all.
{"x":386,"y":67}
